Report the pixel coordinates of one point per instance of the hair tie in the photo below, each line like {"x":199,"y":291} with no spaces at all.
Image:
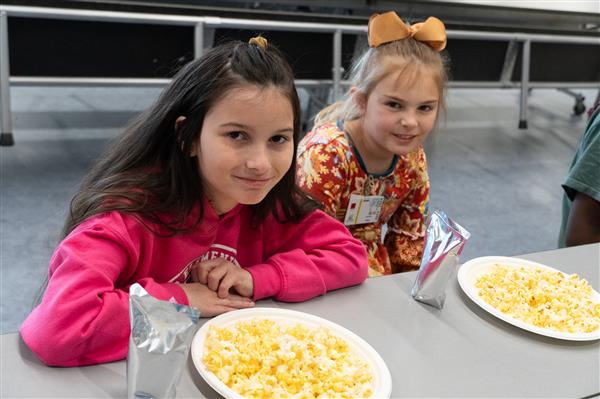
{"x":388,"y":27}
{"x":259,"y":41}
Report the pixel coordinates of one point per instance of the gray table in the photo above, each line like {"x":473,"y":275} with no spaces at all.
{"x":460,"y":351}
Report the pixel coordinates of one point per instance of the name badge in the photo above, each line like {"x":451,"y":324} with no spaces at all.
{"x":363,"y":209}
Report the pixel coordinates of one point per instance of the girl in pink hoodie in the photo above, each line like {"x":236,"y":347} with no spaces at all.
{"x":197,"y":202}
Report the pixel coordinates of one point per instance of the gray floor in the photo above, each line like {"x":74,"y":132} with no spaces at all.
{"x":499,"y":182}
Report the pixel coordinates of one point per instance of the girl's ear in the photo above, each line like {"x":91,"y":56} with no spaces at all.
{"x":359,"y":99}
{"x":178,"y":123}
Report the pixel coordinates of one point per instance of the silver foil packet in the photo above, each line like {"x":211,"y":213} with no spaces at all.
{"x":444,"y":241}
{"x":161,"y":335}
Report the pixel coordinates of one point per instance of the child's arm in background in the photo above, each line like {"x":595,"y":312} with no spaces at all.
{"x":307,"y":259}
{"x":404,"y":239}
{"x":583,"y":226}
{"x":582,"y":185}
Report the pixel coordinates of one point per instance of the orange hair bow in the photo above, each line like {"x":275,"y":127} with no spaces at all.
{"x":388,"y":27}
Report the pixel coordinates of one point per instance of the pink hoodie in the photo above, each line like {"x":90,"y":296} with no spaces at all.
{"x":84,"y":315}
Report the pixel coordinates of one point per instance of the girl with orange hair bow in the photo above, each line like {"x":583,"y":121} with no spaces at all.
{"x":364,"y":159}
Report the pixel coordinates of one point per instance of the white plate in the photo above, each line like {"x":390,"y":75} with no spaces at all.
{"x":470,"y":271}
{"x":382,"y":380}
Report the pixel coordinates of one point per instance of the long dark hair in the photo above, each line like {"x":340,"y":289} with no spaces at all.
{"x":148,"y":171}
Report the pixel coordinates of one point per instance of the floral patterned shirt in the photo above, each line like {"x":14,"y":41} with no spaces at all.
{"x":330,"y":169}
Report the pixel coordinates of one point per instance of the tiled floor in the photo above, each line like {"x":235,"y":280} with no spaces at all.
{"x":499,"y":182}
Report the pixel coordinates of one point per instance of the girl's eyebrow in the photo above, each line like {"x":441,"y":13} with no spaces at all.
{"x":245,"y":127}
{"x":235,"y":124}
{"x":285,"y":130}
{"x":401,"y":100}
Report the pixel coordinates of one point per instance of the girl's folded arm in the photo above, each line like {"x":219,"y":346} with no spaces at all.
{"x":83,"y":317}
{"x":322,"y":178}
{"x":406,"y":228}
{"x":308,"y":259}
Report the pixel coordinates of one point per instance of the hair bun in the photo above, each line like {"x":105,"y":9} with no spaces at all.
{"x":259,"y":41}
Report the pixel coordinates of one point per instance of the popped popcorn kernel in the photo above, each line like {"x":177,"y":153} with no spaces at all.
{"x":541,"y":297}
{"x":266,"y":359}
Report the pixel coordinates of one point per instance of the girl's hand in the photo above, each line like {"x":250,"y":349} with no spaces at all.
{"x":221,"y":275}
{"x":209,"y":304}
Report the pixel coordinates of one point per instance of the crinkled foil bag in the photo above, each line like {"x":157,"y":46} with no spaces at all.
{"x":161,"y":335}
{"x":444,"y":241}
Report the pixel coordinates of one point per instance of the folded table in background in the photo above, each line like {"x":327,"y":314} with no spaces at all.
{"x":460,"y":351}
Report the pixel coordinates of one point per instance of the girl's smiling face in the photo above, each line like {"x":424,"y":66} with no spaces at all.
{"x":399,"y":113}
{"x":246,"y":146}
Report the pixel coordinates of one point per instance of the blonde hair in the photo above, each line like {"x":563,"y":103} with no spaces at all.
{"x":408,"y":56}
